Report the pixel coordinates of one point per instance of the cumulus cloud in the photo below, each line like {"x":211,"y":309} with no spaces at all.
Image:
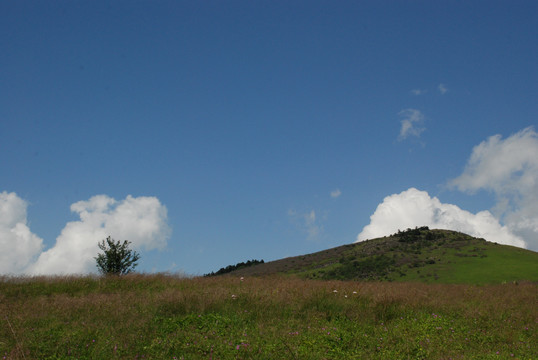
{"x":18,"y":245}
{"x":141,"y":220}
{"x":413,"y":207}
{"x":442,"y":89}
{"x":509,"y":169}
{"x":336,"y":193}
{"x":411,"y":123}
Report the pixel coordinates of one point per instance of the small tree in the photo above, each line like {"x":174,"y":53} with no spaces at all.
{"x":117,"y":258}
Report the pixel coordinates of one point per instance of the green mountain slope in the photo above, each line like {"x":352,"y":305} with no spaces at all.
{"x":419,"y":254}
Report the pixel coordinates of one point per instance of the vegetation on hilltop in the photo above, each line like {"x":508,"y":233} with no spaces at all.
{"x":230,"y":268}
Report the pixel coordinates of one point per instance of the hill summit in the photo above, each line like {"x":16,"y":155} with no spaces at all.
{"x":418,"y":254}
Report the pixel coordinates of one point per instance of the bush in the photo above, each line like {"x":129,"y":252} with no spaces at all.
{"x":117,"y":258}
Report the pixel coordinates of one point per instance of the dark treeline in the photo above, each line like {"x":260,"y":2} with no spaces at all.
{"x":237,"y":266}
{"x":412,"y":235}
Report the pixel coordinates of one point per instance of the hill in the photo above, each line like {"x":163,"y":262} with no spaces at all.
{"x":419,"y":254}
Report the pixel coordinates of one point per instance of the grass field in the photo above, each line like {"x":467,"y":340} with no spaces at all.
{"x":167,"y":317}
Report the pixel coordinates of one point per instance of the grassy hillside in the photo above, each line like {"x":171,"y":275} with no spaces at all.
{"x":237,"y":316}
{"x":225,"y":317}
{"x":432,"y":256}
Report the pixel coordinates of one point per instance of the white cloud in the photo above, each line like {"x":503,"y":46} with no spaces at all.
{"x":307,"y":222}
{"x":413,"y":208}
{"x":418,"y":92}
{"x":442,"y":89}
{"x":141,"y":220}
{"x":509,"y":169}
{"x":503,"y":166}
{"x":336,"y":193}
{"x":312,"y":227}
{"x":411,"y":123}
{"x":506,"y":167}
{"x":18,"y":245}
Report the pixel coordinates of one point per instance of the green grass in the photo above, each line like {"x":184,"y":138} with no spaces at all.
{"x":496,"y":264}
{"x":166,"y":317}
{"x":501,"y":264}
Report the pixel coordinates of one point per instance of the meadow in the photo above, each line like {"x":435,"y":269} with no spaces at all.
{"x":227,"y":317}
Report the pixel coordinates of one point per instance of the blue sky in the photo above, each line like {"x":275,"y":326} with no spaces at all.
{"x":210,"y":133}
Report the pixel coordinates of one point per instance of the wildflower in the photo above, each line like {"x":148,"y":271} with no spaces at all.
{"x":335,"y":291}
{"x":234,"y":297}
{"x":354,"y":292}
{"x":242,"y":278}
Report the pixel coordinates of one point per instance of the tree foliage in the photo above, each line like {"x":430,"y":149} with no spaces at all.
{"x":117,"y":258}
{"x":237,"y":266}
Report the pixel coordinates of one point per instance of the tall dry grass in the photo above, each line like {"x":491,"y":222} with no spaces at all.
{"x":165,"y":316}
